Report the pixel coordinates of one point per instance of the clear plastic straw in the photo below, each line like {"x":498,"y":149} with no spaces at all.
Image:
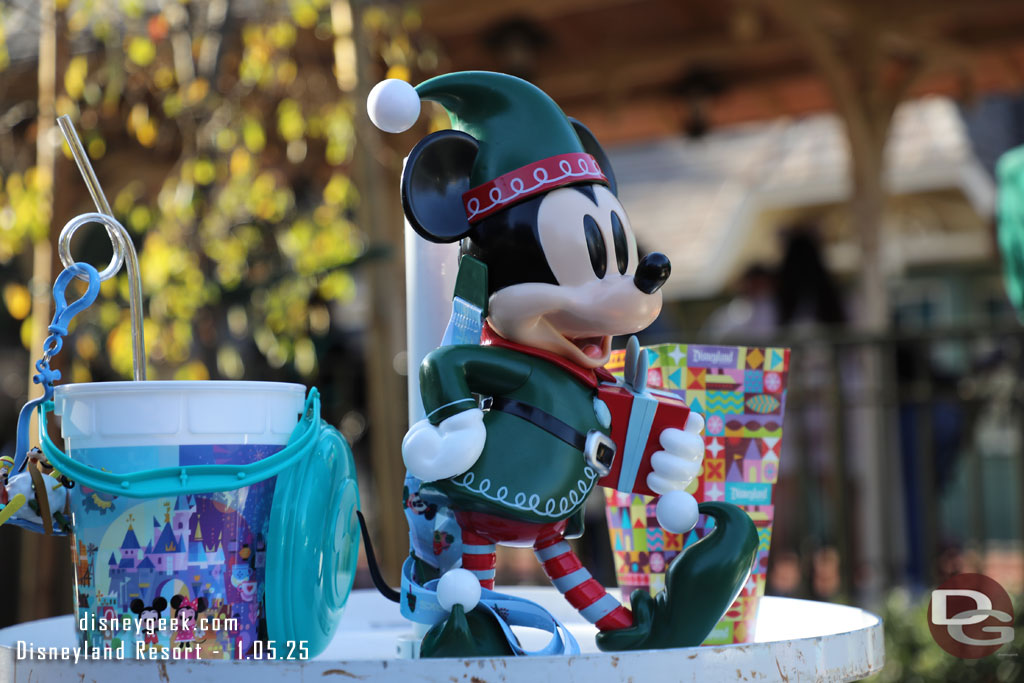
{"x":121,"y":241}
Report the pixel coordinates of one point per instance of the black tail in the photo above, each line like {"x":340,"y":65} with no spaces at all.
{"x":371,"y":559}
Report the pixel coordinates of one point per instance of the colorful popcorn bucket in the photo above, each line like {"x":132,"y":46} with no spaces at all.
{"x":741,"y":392}
{"x":173,"y":577}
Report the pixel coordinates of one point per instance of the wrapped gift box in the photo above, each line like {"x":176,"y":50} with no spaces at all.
{"x":637,"y":422}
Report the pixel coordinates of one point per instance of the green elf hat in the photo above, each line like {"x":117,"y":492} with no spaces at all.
{"x":527,"y":145}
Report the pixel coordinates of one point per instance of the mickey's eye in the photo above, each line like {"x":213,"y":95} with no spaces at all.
{"x":621,"y":245}
{"x":595,"y":245}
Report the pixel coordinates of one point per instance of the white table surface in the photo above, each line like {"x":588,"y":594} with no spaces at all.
{"x":797,"y":640}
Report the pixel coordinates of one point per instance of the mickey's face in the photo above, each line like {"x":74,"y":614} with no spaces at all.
{"x":590,"y":290}
{"x":148,"y":614}
{"x":563,"y":274}
{"x":149,"y":618}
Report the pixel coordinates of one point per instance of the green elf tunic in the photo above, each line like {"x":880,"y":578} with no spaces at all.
{"x":524,"y":472}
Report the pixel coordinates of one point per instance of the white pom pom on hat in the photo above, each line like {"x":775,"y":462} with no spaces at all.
{"x":458,"y":587}
{"x":393,"y":105}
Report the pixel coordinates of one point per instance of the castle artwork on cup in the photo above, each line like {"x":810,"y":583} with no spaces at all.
{"x":205,"y":552}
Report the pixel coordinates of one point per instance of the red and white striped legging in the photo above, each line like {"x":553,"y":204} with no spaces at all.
{"x":564,"y":569}
{"x":478,"y":556}
{"x":582,"y":591}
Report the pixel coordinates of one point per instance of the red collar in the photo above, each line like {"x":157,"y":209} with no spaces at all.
{"x":589,"y":377}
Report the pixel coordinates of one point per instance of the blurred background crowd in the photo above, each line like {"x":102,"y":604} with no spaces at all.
{"x":821,"y":175}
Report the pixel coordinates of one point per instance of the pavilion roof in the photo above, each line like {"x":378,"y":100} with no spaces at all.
{"x":632,"y":69}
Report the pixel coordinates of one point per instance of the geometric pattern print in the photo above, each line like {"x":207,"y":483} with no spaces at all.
{"x":741,"y":392}
{"x":725,"y":402}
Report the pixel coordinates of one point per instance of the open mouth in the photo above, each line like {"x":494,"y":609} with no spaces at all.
{"x":593,"y":347}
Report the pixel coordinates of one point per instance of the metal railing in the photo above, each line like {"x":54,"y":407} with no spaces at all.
{"x":879,"y":430}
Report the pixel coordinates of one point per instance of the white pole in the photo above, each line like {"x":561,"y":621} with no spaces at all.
{"x":430,"y":271}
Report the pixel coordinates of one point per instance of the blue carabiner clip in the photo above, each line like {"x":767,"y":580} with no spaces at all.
{"x":62,"y":314}
{"x":63,"y":311}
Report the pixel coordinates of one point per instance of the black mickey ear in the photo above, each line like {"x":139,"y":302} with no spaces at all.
{"x":435,"y":178}
{"x":137,"y":606}
{"x":159,"y":604}
{"x":594,"y":149}
{"x":176,"y":601}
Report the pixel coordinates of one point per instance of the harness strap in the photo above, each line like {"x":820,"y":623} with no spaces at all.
{"x":42,"y":497}
{"x":542,"y":419}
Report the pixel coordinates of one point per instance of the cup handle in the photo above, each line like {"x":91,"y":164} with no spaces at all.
{"x":188,"y":479}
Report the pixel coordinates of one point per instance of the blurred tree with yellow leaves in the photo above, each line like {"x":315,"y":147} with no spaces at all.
{"x":222,"y":132}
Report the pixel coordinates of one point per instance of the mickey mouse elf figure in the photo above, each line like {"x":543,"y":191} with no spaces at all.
{"x":530,"y":194}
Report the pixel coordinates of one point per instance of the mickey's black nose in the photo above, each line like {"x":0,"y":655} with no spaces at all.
{"x":652,"y":272}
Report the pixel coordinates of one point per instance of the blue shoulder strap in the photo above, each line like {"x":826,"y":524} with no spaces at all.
{"x":469,"y":303}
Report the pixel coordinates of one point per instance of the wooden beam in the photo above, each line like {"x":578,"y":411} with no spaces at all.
{"x":940,"y":39}
{"x":380,"y":216}
{"x":930,"y":13}
{"x":653,"y":113}
{"x":44,"y":584}
{"x":655,"y":42}
{"x":661,"y":64}
{"x":454,"y":17}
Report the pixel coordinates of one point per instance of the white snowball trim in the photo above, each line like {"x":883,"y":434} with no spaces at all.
{"x":458,"y":587}
{"x":677,"y":512}
{"x":393,"y":105}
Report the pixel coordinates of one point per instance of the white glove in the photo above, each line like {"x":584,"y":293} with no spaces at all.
{"x":672,"y":471}
{"x":452,"y":447}
{"x":679,"y":463}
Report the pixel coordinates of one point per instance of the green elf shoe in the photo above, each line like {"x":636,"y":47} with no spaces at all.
{"x":473,"y":634}
{"x":700,"y":585}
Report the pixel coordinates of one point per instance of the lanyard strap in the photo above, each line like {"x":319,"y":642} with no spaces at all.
{"x":419,"y":604}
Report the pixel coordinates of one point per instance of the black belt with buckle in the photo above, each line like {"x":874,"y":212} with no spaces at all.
{"x":597,"y":447}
